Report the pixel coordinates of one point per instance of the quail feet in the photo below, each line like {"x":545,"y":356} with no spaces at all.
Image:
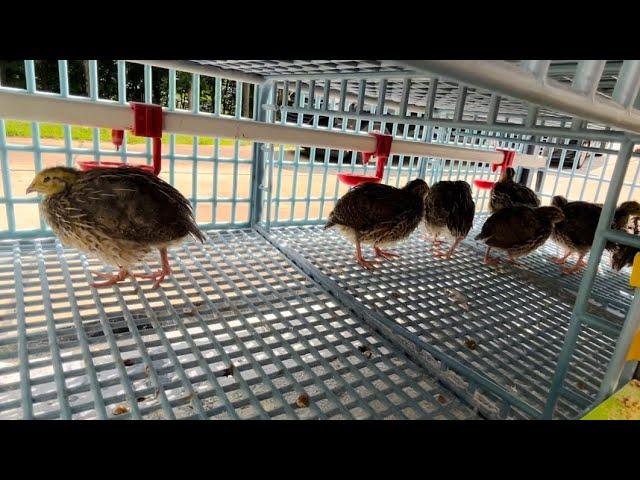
{"x":361,"y":260}
{"x":513,"y":261}
{"x":490,"y":260}
{"x":561,"y":260}
{"x":385,"y":254}
{"x":111,"y":279}
{"x":159,"y":275}
{"x":579,"y":265}
{"x":447,"y":255}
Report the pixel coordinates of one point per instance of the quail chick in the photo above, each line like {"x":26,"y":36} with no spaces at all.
{"x":449,"y":210}
{"x":379,"y":215}
{"x":576,"y":232}
{"x":518,"y":230}
{"x":506,"y":193}
{"x":116,"y":214}
{"x":623,"y":255}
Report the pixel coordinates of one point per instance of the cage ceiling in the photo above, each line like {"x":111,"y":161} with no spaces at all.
{"x":478,"y":101}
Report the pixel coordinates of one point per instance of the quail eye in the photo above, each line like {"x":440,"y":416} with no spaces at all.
{"x":46,"y":179}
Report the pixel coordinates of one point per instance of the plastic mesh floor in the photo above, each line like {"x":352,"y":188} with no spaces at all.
{"x":504,"y":325}
{"x":611,"y":289}
{"x":237,"y":332}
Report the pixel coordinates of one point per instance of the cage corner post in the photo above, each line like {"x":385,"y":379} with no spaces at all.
{"x":588,"y":279}
{"x":262,"y":100}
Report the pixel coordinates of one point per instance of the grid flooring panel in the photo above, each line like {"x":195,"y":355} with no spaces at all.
{"x":611,"y":289}
{"x":506,"y":324}
{"x":236,"y":332}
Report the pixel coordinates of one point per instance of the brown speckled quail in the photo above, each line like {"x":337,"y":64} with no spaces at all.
{"x":449,"y":210}
{"x":379,"y":215}
{"x":518,"y":230}
{"x":623,"y":255}
{"x":116,"y":214}
{"x":507,"y":193}
{"x":576,"y":232}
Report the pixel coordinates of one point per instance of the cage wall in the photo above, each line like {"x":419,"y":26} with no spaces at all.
{"x":213,"y":173}
{"x":579,"y":169}
{"x":246,"y":272}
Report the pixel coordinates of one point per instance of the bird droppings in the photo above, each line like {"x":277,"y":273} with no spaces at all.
{"x":365,"y":350}
{"x":441,"y":399}
{"x":120,"y":409}
{"x":303,"y":400}
{"x":128,"y":362}
{"x":228,"y":372}
{"x":457,"y":297}
{"x":470,"y":344}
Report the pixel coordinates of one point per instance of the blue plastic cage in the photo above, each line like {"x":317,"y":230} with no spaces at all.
{"x":271,"y":317}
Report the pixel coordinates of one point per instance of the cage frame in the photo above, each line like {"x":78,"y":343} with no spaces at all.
{"x":582,"y":114}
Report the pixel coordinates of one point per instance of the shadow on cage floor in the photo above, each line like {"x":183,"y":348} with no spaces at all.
{"x":236,"y":332}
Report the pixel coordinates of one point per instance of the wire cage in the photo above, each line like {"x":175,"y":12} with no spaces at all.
{"x":271,"y":317}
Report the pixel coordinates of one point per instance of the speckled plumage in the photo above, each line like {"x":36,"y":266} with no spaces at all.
{"x":449,"y":210}
{"x":577,"y":230}
{"x":519,"y":230}
{"x":623,"y":255}
{"x":449,"y":207}
{"x":119,"y":214}
{"x":506,"y":193}
{"x":379,"y":214}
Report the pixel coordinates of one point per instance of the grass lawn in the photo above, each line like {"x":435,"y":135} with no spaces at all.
{"x":15,"y":128}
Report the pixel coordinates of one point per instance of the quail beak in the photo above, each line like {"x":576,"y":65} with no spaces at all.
{"x":30,"y":189}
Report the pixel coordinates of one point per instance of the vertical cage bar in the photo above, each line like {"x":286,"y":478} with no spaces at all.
{"x":195,"y":108}
{"x":431,"y":99}
{"x":122,"y":100}
{"x":343,"y":97}
{"x":327,"y":95}
{"x":30,"y":75}
{"x":262,"y":99}
{"x":63,"y":78}
{"x":6,"y":179}
{"x":628,"y":84}
{"x":461,"y":100}
{"x":312,"y":163}
{"x":404,"y":101}
{"x":588,"y":278}
{"x":93,"y":80}
{"x":172,"y":137}
{"x":382,"y":94}
{"x":217,"y":108}
{"x":236,"y":154}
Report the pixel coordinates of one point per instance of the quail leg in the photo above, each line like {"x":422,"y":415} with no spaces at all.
{"x":385,"y":254}
{"x":122,"y":274}
{"x":513,"y":260}
{"x":561,"y":260}
{"x":579,"y":265}
{"x":488,"y":260}
{"x":435,"y":241}
{"x":449,"y":252}
{"x":361,"y":260}
{"x":160,"y":274}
